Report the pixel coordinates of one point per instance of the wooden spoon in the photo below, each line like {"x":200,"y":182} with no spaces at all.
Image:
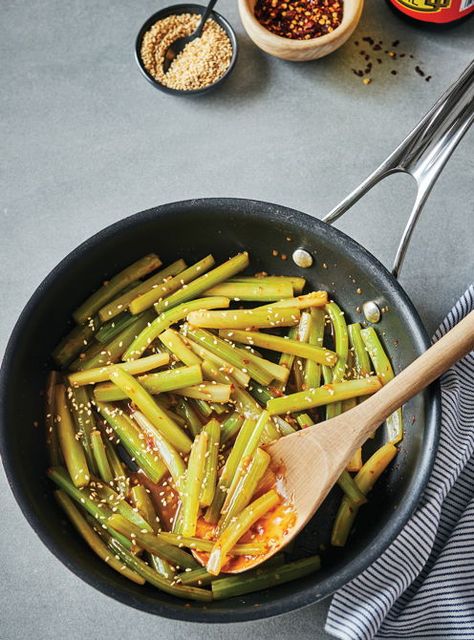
{"x":313,"y":459}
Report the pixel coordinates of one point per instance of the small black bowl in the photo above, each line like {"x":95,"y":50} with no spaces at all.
{"x":178,"y":9}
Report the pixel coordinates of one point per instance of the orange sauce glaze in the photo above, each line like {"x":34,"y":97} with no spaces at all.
{"x":268,"y":531}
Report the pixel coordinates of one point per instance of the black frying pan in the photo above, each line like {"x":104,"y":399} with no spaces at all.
{"x":191,"y":230}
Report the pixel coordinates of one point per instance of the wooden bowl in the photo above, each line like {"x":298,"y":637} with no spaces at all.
{"x":300,"y":50}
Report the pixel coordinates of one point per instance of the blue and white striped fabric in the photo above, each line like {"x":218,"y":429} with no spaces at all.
{"x":423,"y":585}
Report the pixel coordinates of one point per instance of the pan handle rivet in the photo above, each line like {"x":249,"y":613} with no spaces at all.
{"x":302,"y":258}
{"x":371,"y":311}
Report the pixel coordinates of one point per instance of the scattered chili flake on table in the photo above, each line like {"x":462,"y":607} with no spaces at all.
{"x":367,"y":59}
{"x":299,"y":19}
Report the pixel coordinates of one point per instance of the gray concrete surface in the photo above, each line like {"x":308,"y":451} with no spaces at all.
{"x":85,"y":141}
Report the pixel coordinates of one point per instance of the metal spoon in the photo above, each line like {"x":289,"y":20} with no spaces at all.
{"x":178,"y":45}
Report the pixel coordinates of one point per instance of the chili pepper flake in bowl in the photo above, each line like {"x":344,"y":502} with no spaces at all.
{"x":299,"y":19}
{"x":300,"y":30}
{"x":203,"y":63}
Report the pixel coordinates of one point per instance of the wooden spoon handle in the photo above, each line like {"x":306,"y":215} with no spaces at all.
{"x":419,"y":374}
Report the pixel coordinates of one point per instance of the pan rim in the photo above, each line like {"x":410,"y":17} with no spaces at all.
{"x":309,"y":594}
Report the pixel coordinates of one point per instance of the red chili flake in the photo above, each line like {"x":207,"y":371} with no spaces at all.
{"x":299,"y":19}
{"x":394,"y":55}
{"x":277,"y":393}
{"x":150,"y":442}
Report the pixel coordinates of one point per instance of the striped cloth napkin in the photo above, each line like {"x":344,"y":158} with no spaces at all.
{"x":423,"y":585}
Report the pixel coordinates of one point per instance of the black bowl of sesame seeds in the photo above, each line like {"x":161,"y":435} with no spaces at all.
{"x":203,"y":65}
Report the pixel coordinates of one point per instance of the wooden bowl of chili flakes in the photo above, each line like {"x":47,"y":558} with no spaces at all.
{"x":300,"y":30}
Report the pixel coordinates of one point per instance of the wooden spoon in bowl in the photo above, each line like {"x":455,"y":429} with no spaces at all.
{"x":313,"y":459}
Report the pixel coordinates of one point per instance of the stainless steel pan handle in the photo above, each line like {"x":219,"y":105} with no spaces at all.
{"x":422,"y":154}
